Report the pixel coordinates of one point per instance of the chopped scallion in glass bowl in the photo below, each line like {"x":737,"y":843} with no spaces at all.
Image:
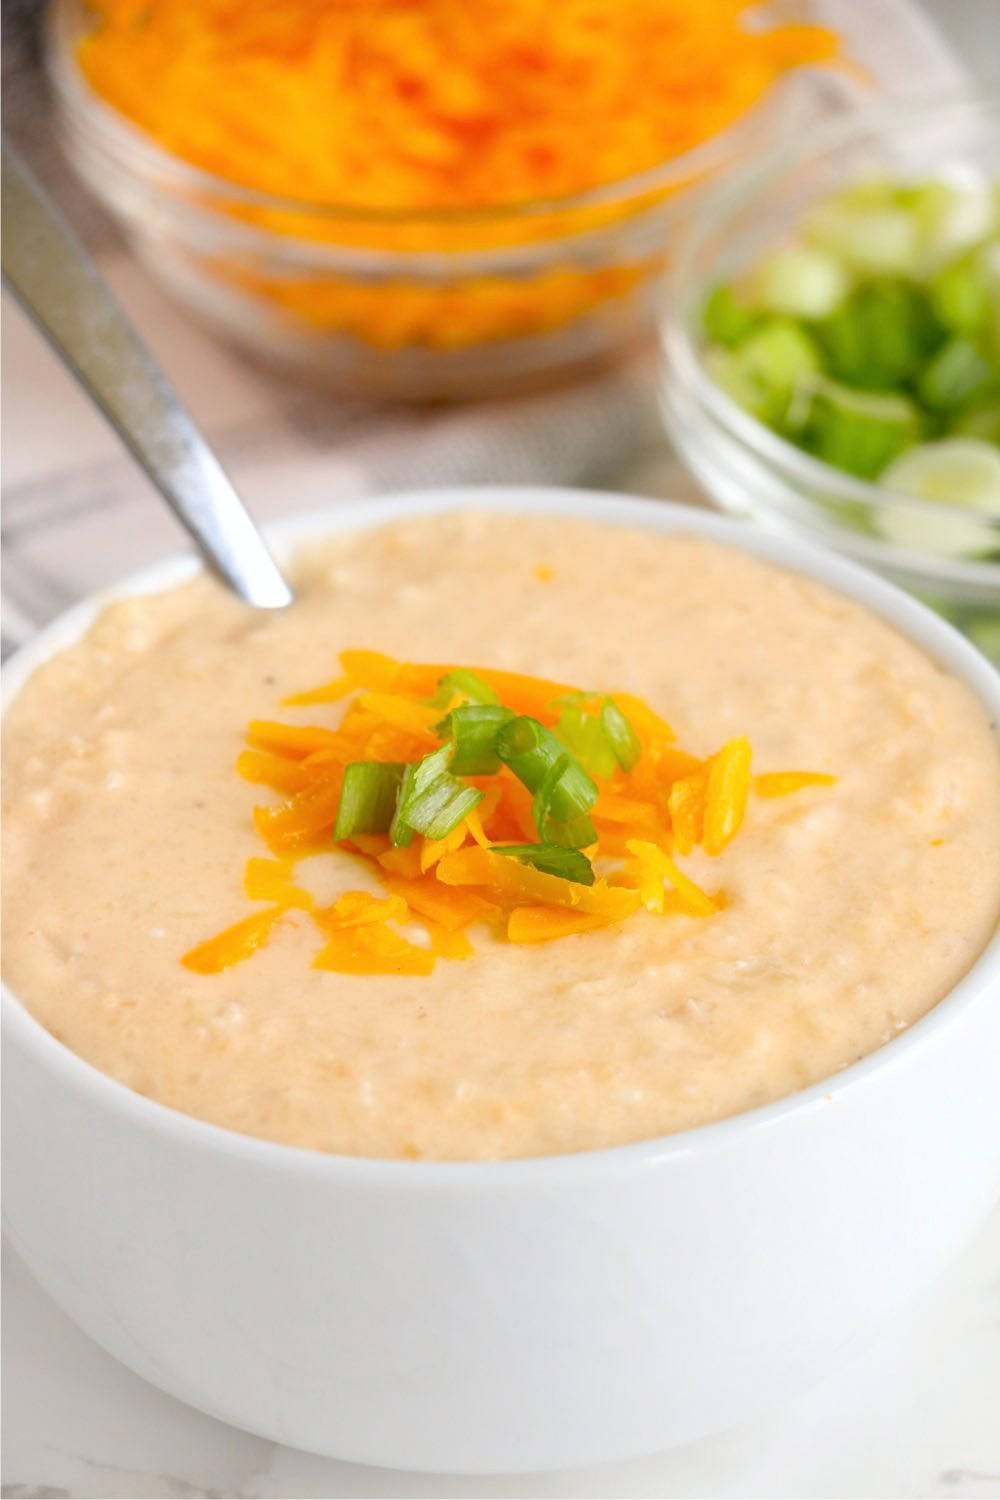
{"x":833,"y":347}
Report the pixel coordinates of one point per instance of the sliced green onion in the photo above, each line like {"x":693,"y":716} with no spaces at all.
{"x":576,"y":699}
{"x":417,"y":779}
{"x":990,"y":261}
{"x":956,"y":471}
{"x":472,"y":728}
{"x":743,"y":387}
{"x":779,"y":355}
{"x":567,"y":864}
{"x":960,"y":295}
{"x":541,"y":802}
{"x":583,"y":735}
{"x":959,"y":472}
{"x":953,"y":217}
{"x":438,"y":809}
{"x":875,"y":328}
{"x":764,"y":373}
{"x":881,"y":337}
{"x":530,"y":750}
{"x":859,"y":431}
{"x":467,"y":685}
{"x":725,"y":319}
{"x":874,"y":190}
{"x":400,"y":832}
{"x":871,"y":241}
{"x":569,"y":833}
{"x":801,"y":281}
{"x":431,"y":767}
{"x":574,"y":832}
{"x":958,"y":376}
{"x":620,"y":735}
{"x":368,"y":797}
{"x":978,"y":422}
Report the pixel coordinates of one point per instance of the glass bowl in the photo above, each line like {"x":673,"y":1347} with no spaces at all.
{"x":504,"y":297}
{"x":746,"y":468}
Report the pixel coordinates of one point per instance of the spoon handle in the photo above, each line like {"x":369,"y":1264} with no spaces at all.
{"x":55,"y":280}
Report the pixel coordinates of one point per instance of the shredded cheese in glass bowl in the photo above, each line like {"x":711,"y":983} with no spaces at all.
{"x":425,"y":201}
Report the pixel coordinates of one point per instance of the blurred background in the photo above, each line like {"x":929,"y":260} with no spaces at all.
{"x":332,"y":352}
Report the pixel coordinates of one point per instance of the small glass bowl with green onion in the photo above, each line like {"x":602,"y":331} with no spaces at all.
{"x":832,"y":347}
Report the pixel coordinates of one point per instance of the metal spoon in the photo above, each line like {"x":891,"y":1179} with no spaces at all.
{"x":55,"y":280}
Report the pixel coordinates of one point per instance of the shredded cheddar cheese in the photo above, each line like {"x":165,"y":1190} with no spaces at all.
{"x":378,"y":122}
{"x":274,"y":880}
{"x":234,"y":944}
{"x":384,"y":104}
{"x":669,"y":802}
{"x":781,"y":783}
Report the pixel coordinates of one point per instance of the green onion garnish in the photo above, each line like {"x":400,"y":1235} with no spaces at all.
{"x":873,"y":329}
{"x":530,"y":751}
{"x":979,"y":422}
{"x":416,"y":779}
{"x":431,"y":800}
{"x":400,"y":832}
{"x":567,"y":864}
{"x":870,"y":239}
{"x":620,"y":735}
{"x":583,"y":734}
{"x":431,"y":767}
{"x":725,"y":319}
{"x":441,"y":807}
{"x":958,"y":376}
{"x":466,"y":685}
{"x":800,"y":281}
{"x":961,"y":473}
{"x":960,"y":295}
{"x":577,"y":697}
{"x":881,"y":337}
{"x":777,"y":358}
{"x":574,"y":832}
{"x":472,"y":729}
{"x":569,"y":833}
{"x":860,"y":431}
{"x":368,"y":797}
{"x":601,"y":742}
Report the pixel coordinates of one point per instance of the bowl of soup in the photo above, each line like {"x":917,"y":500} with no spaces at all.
{"x":477,"y":1110}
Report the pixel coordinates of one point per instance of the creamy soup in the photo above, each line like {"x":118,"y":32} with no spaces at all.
{"x":849,"y":910}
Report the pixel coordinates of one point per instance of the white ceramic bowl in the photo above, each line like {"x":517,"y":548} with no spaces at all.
{"x":513,"y":1315}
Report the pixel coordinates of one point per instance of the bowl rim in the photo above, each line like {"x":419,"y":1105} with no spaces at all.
{"x":692,"y":168}
{"x":687,"y":280}
{"x":904,"y":613}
